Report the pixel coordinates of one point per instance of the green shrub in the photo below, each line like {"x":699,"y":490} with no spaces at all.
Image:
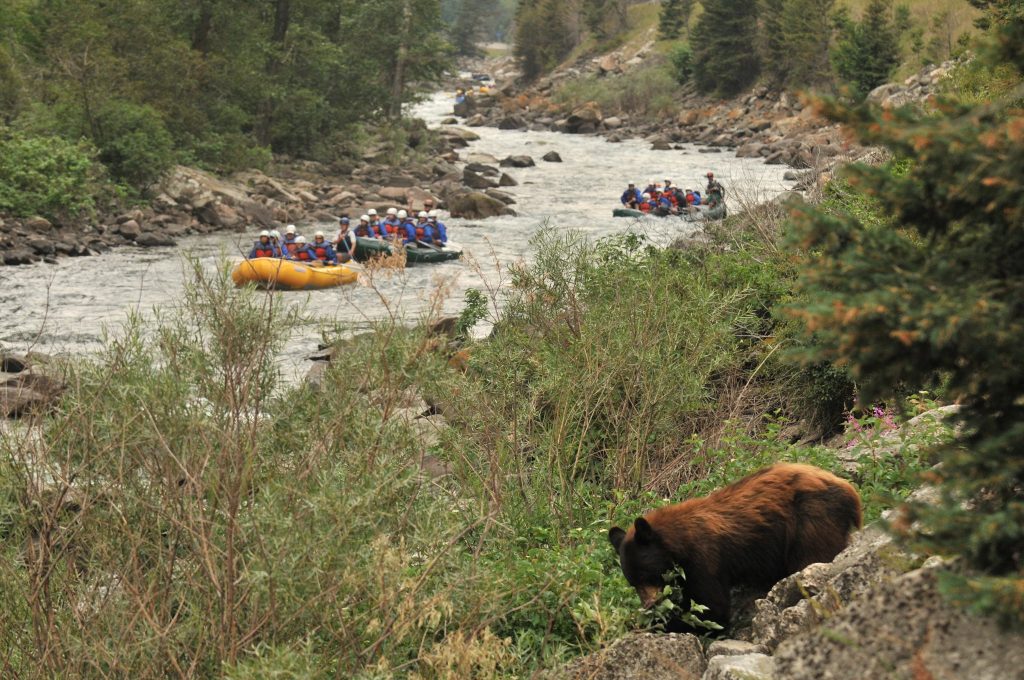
{"x":49,"y":176}
{"x":681,"y":58}
{"x":134,"y":143}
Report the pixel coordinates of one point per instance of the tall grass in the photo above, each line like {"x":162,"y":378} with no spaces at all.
{"x":184,"y":514}
{"x":649,"y":90}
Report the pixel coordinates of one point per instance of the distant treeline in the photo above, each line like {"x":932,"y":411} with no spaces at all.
{"x":213,"y":82}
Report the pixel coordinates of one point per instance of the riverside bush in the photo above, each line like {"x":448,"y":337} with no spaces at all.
{"x":48,"y":176}
{"x":647,"y":91}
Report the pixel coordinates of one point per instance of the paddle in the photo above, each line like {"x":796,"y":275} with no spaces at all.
{"x":429,"y":245}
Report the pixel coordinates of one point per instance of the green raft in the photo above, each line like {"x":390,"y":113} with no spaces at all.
{"x":699,"y":214}
{"x":369,"y":248}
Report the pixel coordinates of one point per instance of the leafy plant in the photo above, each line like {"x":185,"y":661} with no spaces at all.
{"x":46,"y":176}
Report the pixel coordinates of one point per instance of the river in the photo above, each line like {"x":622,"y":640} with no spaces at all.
{"x":67,"y":307}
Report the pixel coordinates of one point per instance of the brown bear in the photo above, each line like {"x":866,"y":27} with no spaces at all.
{"x":753,"y":532}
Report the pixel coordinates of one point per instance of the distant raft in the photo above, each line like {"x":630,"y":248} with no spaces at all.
{"x":269,"y":272}
{"x":698,"y":213}
{"x":368,"y":248}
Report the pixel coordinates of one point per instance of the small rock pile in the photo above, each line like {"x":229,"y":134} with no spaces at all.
{"x":28,"y":385}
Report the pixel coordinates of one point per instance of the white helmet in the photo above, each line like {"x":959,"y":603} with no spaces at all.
{"x":402,"y":214}
{"x":371,"y":212}
{"x":364,"y":218}
{"x":432,"y":213}
{"x":264,"y":233}
{"x":392,"y":211}
{"x":647,"y":196}
{"x":422,"y":213}
{"x":300,"y":239}
{"x":318,"y":234}
{"x":275,"y":234}
{"x":290,"y":229}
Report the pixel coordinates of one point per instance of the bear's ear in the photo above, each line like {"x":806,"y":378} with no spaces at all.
{"x":616,"y":536}
{"x":643,"y":531}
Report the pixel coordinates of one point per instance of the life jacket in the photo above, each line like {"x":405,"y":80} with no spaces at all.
{"x":291,"y":246}
{"x":364,"y":230}
{"x":320,"y":249}
{"x":265,"y":250}
{"x":389,"y":227}
{"x":304,"y":255}
{"x":644,"y":207}
{"x":424,"y":232}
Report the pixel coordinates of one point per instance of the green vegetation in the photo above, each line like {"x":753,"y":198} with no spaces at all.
{"x":46,"y":176}
{"x":220,"y":84}
{"x":183,"y":514}
{"x":723,"y":59}
{"x":934,"y":294}
{"x":868,"y":51}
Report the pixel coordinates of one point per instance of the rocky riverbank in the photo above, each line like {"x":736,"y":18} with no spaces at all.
{"x":776,"y":126}
{"x":188,"y":201}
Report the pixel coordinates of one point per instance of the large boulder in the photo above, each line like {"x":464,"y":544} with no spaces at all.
{"x":517,"y":162}
{"x":475,"y":205}
{"x":741,"y":667}
{"x":475,"y":180}
{"x":798,"y":602}
{"x":584,"y":119}
{"x":552,"y":157}
{"x":640,"y":656}
{"x":903,"y":628}
{"x":28,"y":392}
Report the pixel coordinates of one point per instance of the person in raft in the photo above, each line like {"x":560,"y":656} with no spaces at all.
{"x":364,"y":230}
{"x":631,"y":197}
{"x":264,"y":247}
{"x":440,"y":231}
{"x":322,"y":249}
{"x":713,"y":185}
{"x":423,"y":230}
{"x":303,"y":251}
{"x":391,"y":224}
{"x":289,"y":243}
{"x":344,"y":242}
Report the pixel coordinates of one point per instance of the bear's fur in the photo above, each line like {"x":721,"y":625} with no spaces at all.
{"x":753,"y":532}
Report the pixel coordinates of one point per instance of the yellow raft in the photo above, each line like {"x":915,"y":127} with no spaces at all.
{"x":269,"y":272}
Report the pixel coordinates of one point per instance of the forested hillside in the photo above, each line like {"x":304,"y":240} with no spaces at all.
{"x":140,"y":85}
{"x":725,"y":46}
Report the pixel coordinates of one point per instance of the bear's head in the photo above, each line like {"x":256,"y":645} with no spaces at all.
{"x":644,"y":559}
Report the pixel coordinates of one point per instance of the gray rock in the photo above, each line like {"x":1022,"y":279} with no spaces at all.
{"x":790,"y":175}
{"x":14,"y":363}
{"x":640,"y":656}
{"x":501,"y":196}
{"x":27,"y":392}
{"x":903,"y":629}
{"x":749,"y":150}
{"x":130,"y":229}
{"x":474,"y":180}
{"x":517,"y":162}
{"x":38,"y":224}
{"x":475,"y":205}
{"x":512,"y":123}
{"x":507,"y":180}
{"x":154,"y":240}
{"x":661,"y":145}
{"x":742,"y":667}
{"x":20,"y":256}
{"x":733,"y":648}
{"x":613,"y":122}
{"x":316,"y":375}
{"x":552,"y":157}
{"x":785,"y":611}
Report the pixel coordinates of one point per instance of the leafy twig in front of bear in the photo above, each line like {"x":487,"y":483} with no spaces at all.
{"x":672,"y":606}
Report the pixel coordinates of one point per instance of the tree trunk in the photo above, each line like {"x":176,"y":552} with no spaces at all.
{"x":398,"y":84}
{"x":201,"y":34}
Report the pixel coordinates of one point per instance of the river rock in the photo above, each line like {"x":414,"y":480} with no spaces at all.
{"x":750,"y":150}
{"x":154,"y":240}
{"x":219,"y":214}
{"x":507,"y":180}
{"x":552,"y":157}
{"x":17,"y":256}
{"x":130,"y":229}
{"x":661,"y":144}
{"x":37,"y":224}
{"x":501,"y":196}
{"x":640,"y":656}
{"x":396,"y":194}
{"x":903,"y":628}
{"x":512,"y":122}
{"x":475,"y":205}
{"x":517,"y":162}
{"x":583,"y":119}
{"x":733,"y":648}
{"x":613,"y":122}
{"x":11,"y":362}
{"x":476,"y":121}
{"x":475,"y":180}
{"x":28,"y":392}
{"x":481,"y":159}
{"x":742,"y":667}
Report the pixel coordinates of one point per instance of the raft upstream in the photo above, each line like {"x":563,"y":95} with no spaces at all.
{"x":268,"y":272}
{"x":369,"y":248}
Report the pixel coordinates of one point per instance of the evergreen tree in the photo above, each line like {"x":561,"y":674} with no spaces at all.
{"x":467,"y":27}
{"x":673,"y":18}
{"x":774,"y":55}
{"x":941,"y":294}
{"x":868,"y":51}
{"x":723,"y":59}
{"x":806,"y":35}
{"x":542,"y":36}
